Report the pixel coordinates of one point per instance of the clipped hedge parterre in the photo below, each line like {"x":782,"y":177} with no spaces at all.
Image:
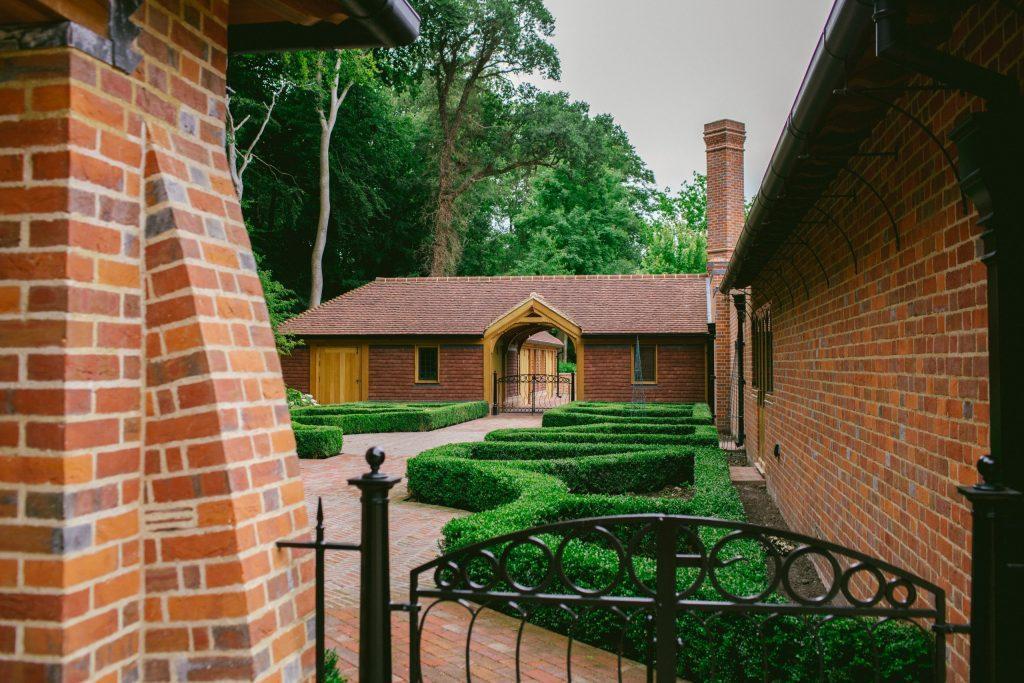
{"x":590,"y":460}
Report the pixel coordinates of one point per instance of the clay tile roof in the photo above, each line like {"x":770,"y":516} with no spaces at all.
{"x":545,"y":339}
{"x":599,"y":304}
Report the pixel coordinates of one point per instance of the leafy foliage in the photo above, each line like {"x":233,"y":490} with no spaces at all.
{"x":443,"y":159}
{"x":282,"y":303}
{"x":677,"y":236}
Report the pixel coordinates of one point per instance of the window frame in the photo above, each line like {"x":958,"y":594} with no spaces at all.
{"x":416,"y":364}
{"x":632,"y":365}
{"x":763,"y":370}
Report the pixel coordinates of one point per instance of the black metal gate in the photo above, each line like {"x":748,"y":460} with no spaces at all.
{"x":533,"y":393}
{"x":679,"y":587}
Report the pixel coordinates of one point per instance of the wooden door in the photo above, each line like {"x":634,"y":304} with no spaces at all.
{"x":337,"y":374}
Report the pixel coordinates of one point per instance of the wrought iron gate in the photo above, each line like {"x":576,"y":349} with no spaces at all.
{"x":533,"y":392}
{"x":677,"y":584}
{"x":680,"y":586}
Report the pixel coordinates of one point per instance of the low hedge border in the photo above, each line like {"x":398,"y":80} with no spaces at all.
{"x":563,"y":473}
{"x":683,"y":435}
{"x":590,"y":413}
{"x":317,"y":441}
{"x":371,"y":417}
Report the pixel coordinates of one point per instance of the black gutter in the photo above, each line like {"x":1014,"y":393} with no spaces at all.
{"x":370,"y":24}
{"x":844,"y":31}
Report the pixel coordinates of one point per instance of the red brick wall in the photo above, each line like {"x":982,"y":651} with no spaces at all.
{"x":461,"y":374}
{"x":681,"y":373}
{"x":146,"y":462}
{"x":295,"y":369}
{"x":881,"y":395}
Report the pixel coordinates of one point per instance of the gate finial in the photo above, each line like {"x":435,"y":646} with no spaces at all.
{"x":375,"y":458}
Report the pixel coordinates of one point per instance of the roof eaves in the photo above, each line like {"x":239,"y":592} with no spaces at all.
{"x":843,"y":32}
{"x":370,"y":24}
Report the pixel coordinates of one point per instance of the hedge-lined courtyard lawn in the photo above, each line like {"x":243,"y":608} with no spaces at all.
{"x":599,"y":459}
{"x":319,"y":429}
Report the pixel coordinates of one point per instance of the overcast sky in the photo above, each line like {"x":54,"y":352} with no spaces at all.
{"x":664,"y":68}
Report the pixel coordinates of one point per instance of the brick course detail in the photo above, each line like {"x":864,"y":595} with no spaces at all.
{"x":295,"y":369}
{"x":392,"y":370}
{"x":147,"y":463}
{"x":681,"y":373}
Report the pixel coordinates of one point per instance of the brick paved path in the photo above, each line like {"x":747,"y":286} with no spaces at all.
{"x":411,"y":443}
{"x":415,"y":529}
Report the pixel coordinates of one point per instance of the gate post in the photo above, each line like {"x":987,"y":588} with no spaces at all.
{"x":533,"y":394}
{"x":665,"y":603}
{"x":374,"y":580}
{"x":494,"y":395}
{"x":993,"y":584}
{"x":572,"y":387}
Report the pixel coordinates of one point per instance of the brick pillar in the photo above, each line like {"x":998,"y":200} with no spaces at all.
{"x":723,"y":141}
{"x":147,"y":465}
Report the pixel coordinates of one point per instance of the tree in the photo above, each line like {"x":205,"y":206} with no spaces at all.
{"x":677,"y":235}
{"x":378,"y":181}
{"x":586,"y":216}
{"x":239,"y":157}
{"x":468,"y":51}
{"x":327,"y":77}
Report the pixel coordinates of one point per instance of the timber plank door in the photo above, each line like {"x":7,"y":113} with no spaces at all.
{"x":336,"y":375}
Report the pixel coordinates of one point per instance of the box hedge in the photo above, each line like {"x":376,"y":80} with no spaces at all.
{"x":519,"y":479}
{"x":588,"y":413}
{"x":312,"y":441}
{"x":372,"y":417}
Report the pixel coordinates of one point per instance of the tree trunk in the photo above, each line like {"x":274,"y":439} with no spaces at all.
{"x":447,"y":242}
{"x":233,"y":167}
{"x":316,"y":287}
{"x":327,"y":121}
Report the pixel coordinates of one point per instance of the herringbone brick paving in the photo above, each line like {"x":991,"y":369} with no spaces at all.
{"x":415,"y":530}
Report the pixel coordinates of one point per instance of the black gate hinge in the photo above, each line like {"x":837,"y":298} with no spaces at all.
{"x":403,"y":607}
{"x":951,"y":628}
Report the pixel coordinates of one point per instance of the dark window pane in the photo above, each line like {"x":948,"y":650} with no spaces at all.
{"x":645,"y":364}
{"x":427,"y":364}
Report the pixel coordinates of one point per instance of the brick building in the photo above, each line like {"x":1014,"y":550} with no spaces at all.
{"x":457,"y":338}
{"x":879,"y":361}
{"x":147,"y":466}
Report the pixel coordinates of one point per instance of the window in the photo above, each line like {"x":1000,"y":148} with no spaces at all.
{"x":427,"y":364}
{"x":764,"y":359}
{"x":645,"y":363}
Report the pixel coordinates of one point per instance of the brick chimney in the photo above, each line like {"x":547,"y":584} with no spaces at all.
{"x":724,"y":144}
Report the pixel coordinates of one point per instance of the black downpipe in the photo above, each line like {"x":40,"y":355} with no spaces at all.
{"x":709,"y":362}
{"x":740,"y":302}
